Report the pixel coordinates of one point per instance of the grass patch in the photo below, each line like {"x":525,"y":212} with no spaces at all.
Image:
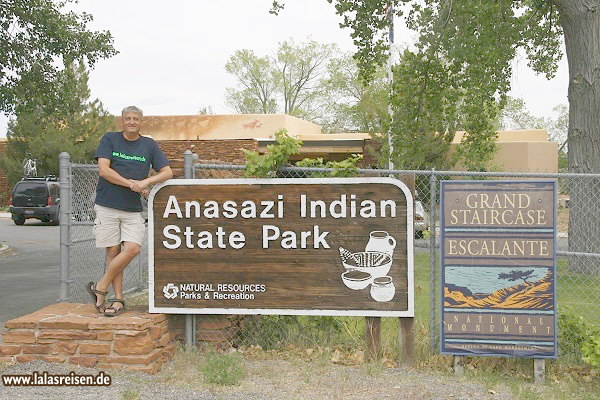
{"x":130,"y":394}
{"x":225,"y":369}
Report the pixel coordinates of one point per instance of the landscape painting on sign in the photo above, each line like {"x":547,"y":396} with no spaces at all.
{"x":498,"y":288}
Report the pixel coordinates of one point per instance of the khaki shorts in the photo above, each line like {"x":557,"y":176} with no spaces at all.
{"x":112,"y":226}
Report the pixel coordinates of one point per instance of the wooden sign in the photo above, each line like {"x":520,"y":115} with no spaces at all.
{"x":281,"y":246}
{"x":498,"y":268}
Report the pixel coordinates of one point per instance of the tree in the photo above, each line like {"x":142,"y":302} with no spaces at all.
{"x":515,"y":115}
{"x":37,"y":39}
{"x":301,"y":69}
{"x":516,"y":275}
{"x":258,"y":79}
{"x":349,"y":104}
{"x":75,"y":127}
{"x":205,"y":110}
{"x":288,"y":81}
{"x":477,"y":40}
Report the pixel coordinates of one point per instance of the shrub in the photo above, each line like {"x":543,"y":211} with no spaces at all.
{"x":572,"y":332}
{"x":590,"y":350}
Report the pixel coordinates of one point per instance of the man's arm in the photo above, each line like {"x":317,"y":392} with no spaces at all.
{"x":163,"y":174}
{"x":111,"y":175}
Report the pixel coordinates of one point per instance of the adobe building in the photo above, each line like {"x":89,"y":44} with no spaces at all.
{"x":220,"y":138}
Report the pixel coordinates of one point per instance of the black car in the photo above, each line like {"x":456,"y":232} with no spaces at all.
{"x":36,"y":198}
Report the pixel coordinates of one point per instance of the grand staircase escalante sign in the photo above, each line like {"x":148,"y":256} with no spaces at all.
{"x":282,"y":246}
{"x":498,"y":268}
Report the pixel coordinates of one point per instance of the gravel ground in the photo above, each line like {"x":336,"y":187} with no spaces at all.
{"x":135,"y":385}
{"x":266,"y":379}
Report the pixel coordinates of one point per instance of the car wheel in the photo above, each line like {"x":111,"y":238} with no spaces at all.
{"x":19,"y":220}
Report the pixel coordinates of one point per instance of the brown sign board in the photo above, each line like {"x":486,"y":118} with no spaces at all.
{"x":314,"y":246}
{"x":498,"y":268}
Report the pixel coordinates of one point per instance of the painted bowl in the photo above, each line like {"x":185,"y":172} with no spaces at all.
{"x":356,"y":280}
{"x":374,"y":263}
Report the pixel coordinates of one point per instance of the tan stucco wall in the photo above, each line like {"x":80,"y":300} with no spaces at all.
{"x":521,"y":151}
{"x":234,"y":126}
{"x":527,"y":156}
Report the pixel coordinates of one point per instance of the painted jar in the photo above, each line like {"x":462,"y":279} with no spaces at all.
{"x":383,"y":289}
{"x":381,"y":241}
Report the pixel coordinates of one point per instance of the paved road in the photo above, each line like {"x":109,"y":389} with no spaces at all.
{"x":29,"y":270}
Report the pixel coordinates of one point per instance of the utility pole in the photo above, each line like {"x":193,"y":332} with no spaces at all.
{"x":390,"y":18}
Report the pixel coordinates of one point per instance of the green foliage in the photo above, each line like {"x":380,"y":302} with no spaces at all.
{"x":277,"y":155}
{"x":590,"y":350}
{"x":259,"y":81}
{"x":226,"y":369}
{"x":345,"y":168}
{"x":288,"y":80}
{"x":75,"y":127}
{"x":425,"y":109}
{"x":457,"y":76}
{"x":577,"y":338}
{"x":349,"y":104}
{"x":36,"y":39}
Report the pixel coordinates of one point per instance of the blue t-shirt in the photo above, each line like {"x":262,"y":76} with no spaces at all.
{"x":132,"y":159}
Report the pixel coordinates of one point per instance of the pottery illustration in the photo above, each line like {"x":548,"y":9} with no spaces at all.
{"x":383,"y":289}
{"x":356,"y":280}
{"x":371,"y":267}
{"x":381,"y":241}
{"x":374,"y":263}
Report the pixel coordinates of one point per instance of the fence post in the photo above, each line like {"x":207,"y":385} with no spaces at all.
{"x":64,"y":162}
{"x":188,"y":164}
{"x":190,"y":319}
{"x":432,"y":254}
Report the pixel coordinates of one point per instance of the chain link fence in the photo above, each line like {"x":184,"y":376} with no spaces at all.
{"x":578,"y":280}
{"x":578,"y":265}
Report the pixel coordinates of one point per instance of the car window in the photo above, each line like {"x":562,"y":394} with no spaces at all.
{"x":54,"y":190}
{"x":31,"y":189}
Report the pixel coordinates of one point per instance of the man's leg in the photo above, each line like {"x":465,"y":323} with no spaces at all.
{"x":117,"y":283}
{"x":129,"y":251}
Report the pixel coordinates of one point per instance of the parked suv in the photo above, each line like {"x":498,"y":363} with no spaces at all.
{"x":36,"y":198}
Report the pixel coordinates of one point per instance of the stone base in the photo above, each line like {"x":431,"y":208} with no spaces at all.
{"x":76,"y":334}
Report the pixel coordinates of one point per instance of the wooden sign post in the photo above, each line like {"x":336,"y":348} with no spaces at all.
{"x":340,"y":247}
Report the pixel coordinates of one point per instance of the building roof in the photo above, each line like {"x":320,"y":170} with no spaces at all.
{"x":230,"y":126}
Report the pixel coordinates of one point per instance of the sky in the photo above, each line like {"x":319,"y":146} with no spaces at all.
{"x":172,"y":54}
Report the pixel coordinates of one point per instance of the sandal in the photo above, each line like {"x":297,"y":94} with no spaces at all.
{"x":115,"y":311}
{"x":91,"y":289}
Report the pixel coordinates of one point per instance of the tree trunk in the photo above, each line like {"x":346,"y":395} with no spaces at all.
{"x":580,"y":21}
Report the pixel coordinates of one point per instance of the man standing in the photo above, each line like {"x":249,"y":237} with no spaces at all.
{"x":124,"y":160}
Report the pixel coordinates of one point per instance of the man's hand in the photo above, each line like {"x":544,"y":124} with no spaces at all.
{"x":138,"y":186}
{"x":145,"y":193}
